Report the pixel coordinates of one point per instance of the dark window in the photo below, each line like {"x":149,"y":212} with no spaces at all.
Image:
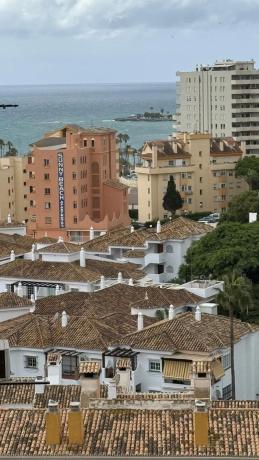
{"x":46,"y":176}
{"x":47,"y":191}
{"x":160,"y":269}
{"x":31,"y":361}
{"x":92,"y":142}
{"x":74,"y":204}
{"x":73,"y":175}
{"x":73,"y":161}
{"x":75,"y":220}
{"x":227,"y":392}
{"x":85,"y":142}
{"x":46,"y":162}
{"x":69,"y":365}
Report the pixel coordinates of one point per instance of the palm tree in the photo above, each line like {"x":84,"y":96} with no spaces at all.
{"x":162,"y":111}
{"x":2,"y":145}
{"x":9,"y":145}
{"x":125,"y":138}
{"x":120,"y":138}
{"x":235,"y":298}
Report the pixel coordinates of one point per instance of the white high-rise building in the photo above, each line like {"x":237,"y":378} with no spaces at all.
{"x":222,"y":99}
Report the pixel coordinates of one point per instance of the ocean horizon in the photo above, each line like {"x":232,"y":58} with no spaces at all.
{"x":46,"y":107}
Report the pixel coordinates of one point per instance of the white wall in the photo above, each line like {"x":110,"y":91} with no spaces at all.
{"x":247,"y":366}
{"x":9,"y":313}
{"x":17,"y":362}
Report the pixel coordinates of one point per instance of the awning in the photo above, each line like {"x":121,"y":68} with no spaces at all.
{"x":177,"y":369}
{"x":217,"y":369}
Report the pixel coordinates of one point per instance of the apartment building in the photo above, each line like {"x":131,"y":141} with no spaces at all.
{"x":202,"y":168}
{"x":222,"y":99}
{"x":73,"y":184}
{"x":13,"y":189}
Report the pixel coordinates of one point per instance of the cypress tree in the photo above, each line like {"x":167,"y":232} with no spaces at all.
{"x":172,"y":199}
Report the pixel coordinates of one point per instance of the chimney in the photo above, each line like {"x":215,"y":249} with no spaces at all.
{"x":146,"y":296}
{"x":158,"y":227}
{"x":140,"y":321}
{"x":82,"y":257}
{"x":75,"y":425}
{"x":54,"y":368}
{"x":112,"y":390}
{"x":9,"y":219}
{"x":12,"y":256}
{"x":171,"y":314}
{"x":20,"y":289}
{"x":131,"y":282}
{"x":32,"y":308}
{"x":91,"y":233}
{"x":57,"y":289}
{"x":120,"y":277}
{"x":198,"y":313}
{"x":40,"y":387}
{"x":252,"y":217}
{"x":60,"y":239}
{"x":102,"y":282}
{"x":53,"y":424}
{"x":154,"y":156}
{"x":132,"y":229}
{"x":33,"y":255}
{"x":64,"y":319}
{"x":201,"y":424}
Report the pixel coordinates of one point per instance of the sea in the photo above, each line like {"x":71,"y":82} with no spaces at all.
{"x":47,"y":107}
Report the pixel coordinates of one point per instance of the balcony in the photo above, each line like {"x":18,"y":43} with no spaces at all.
{"x":155,"y":258}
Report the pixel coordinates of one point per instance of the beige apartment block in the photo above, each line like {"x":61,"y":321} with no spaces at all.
{"x":13,"y":188}
{"x":202,"y":168}
{"x":221,"y":99}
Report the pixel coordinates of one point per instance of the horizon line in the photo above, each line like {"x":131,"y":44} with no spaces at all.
{"x":90,"y":83}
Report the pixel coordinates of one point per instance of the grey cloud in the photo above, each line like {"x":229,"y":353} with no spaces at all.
{"x":102,"y":17}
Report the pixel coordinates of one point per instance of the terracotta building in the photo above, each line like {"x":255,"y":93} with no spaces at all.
{"x":13,"y":189}
{"x":73,"y":184}
{"x":203,"y":169}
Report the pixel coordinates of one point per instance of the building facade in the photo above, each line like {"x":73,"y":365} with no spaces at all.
{"x":73,"y":184}
{"x":202,"y":168}
{"x":13,"y":189}
{"x":222,"y":99}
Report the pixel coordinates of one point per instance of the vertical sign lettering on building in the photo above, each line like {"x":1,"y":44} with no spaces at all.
{"x":61,"y":191}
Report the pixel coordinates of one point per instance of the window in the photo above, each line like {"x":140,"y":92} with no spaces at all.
{"x":46,"y":176}
{"x":92,"y":142}
{"x":85,"y":142}
{"x":47,"y":205}
{"x":200,"y":166}
{"x":200,"y":153}
{"x":46,"y":191}
{"x":200,"y":180}
{"x":75,"y":220}
{"x":73,"y":161}
{"x":31,"y":362}
{"x":202,"y":375}
{"x":226,"y":361}
{"x":48,"y":220}
{"x":154,"y":366}
{"x":227,"y":392}
{"x":24,"y":183}
{"x":69,"y":365}
{"x":74,"y":204}
{"x":74,"y":191}
{"x":8,"y":180}
{"x":200,"y":191}
{"x":24,"y":171}
{"x":46,"y":162}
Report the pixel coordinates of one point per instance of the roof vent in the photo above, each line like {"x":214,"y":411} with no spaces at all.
{"x":64,"y":319}
{"x":132,"y":229}
{"x":172,"y":313}
{"x":12,"y":256}
{"x":91,"y":233}
{"x":146,"y":296}
{"x":120,"y":277}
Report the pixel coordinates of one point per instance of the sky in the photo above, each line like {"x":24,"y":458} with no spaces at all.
{"x":95,"y":41}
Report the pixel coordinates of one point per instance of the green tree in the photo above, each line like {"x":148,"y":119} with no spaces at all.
{"x":240,"y":206}
{"x":172,"y":199}
{"x":9,"y":145}
{"x":12,"y":152}
{"x":248,"y":169}
{"x":230,"y":246}
{"x":2,"y":146}
{"x":235,"y":297}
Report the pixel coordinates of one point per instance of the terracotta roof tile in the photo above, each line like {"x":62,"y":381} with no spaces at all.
{"x":177,"y":229}
{"x":61,"y":248}
{"x":90,"y":367}
{"x":11,"y":300}
{"x":184,"y":333}
{"x":132,"y":432}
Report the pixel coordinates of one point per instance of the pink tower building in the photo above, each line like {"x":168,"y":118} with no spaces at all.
{"x":73,"y":184}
